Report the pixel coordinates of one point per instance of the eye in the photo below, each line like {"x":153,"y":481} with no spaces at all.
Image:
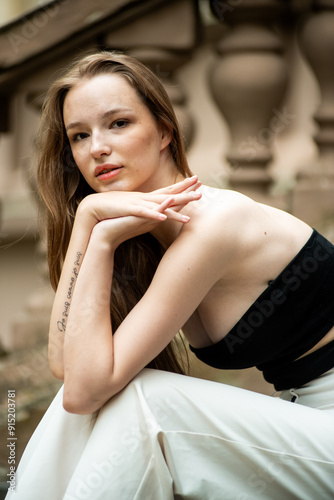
{"x":79,"y":137}
{"x":119,"y":124}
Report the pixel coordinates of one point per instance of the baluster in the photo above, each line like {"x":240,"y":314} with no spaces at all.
{"x":248,"y":82}
{"x":164,"y":63}
{"x":314,"y":192}
{"x":163,"y":39}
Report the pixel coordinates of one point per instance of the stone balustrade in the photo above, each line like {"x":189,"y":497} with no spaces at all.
{"x":313,"y":198}
{"x":247,"y":83}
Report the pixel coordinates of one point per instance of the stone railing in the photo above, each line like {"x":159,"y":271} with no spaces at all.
{"x":249,"y":82}
{"x":252,"y":70}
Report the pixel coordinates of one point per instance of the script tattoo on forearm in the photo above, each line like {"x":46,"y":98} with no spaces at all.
{"x":62,"y":323}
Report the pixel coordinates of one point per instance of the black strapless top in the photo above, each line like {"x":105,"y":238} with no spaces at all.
{"x":287,"y":319}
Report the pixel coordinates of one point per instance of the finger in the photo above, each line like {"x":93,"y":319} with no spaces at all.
{"x":177,"y":208}
{"x":193,"y":187}
{"x":156,"y":197}
{"x":168,"y":202}
{"x":179,"y":186}
{"x":149,"y":213}
{"x":171,"y":214}
{"x":154,"y":209}
{"x":185,"y":198}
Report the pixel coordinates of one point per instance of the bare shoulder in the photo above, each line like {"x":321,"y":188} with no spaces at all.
{"x":223,"y":213}
{"x":210,"y":238}
{"x":240,"y":224}
{"x":224,"y":205}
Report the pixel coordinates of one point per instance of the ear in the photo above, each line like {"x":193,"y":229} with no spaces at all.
{"x":166,"y":137}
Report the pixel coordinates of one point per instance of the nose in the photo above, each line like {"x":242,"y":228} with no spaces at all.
{"x":99,"y":146}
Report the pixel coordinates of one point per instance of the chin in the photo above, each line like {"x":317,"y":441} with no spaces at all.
{"x":115,"y":187}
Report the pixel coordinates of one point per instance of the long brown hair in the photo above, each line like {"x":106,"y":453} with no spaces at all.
{"x":62,"y":187}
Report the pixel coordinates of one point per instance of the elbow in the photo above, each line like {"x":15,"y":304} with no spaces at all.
{"x":56,"y":363}
{"x":57,"y":371}
{"x":79,"y":404}
{"x":76,"y":407}
{"x":85,"y":392}
{"x":83,"y":400}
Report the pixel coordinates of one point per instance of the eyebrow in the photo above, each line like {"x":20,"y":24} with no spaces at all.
{"x":108,"y":113}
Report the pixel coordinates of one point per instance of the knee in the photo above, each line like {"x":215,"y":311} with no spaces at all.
{"x":162,"y":394}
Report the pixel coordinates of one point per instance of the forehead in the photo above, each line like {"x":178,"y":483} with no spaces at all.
{"x":96,"y":94}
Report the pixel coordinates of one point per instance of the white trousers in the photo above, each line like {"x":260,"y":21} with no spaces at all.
{"x":168,"y":436}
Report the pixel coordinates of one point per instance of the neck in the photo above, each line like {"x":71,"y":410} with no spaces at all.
{"x":167,"y":175}
{"x":168,"y":231}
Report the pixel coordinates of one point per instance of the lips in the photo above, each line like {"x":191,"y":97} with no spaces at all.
{"x":105,"y":169}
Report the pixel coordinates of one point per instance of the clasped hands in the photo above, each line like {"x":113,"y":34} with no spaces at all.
{"x":120,"y":215}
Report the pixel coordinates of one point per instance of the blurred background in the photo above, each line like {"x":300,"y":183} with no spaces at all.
{"x":252,"y":82}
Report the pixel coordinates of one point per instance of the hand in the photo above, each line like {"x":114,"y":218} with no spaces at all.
{"x":167,"y":201}
{"x":118,"y":229}
{"x":115,"y":230}
{"x":188,"y":185}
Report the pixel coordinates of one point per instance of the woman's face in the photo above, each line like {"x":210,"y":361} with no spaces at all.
{"x":116,"y":142}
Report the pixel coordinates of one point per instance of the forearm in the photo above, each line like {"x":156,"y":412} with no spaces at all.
{"x":83,"y":356}
{"x":88,"y":344}
{"x":61,"y":307}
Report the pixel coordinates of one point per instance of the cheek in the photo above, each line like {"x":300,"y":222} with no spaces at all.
{"x":148,"y":136}
{"x":79,"y":157}
{"x":150,"y":147}
{"x":143,"y":150}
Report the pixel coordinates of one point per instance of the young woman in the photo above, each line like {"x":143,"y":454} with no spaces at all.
{"x":138,"y":250}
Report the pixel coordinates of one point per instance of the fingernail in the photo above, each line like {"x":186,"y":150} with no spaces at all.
{"x":162,"y":217}
{"x":185,"y":218}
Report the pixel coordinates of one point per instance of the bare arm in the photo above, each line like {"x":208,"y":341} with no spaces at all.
{"x":92,"y":210}
{"x":61,"y":307}
{"x":99,"y":364}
